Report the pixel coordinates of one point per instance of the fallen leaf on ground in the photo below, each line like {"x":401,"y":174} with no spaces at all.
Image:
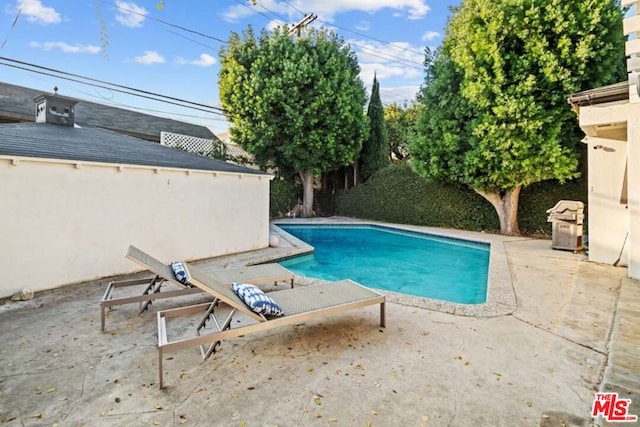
{"x":318,"y":401}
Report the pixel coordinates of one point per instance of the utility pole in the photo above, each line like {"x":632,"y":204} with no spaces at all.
{"x":308,"y":19}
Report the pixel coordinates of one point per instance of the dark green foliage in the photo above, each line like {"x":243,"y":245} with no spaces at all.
{"x":375,"y":149}
{"x":400,"y":122}
{"x":284,"y":195}
{"x":325,"y":202}
{"x":294,"y":102}
{"x":538,"y":197}
{"x":495,"y":114}
{"x":397,"y":194}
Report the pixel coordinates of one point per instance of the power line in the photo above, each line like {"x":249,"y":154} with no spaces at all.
{"x":286,"y":2}
{"x":114,"y":86}
{"x":308,"y":19}
{"x":282,"y":18}
{"x":242,"y":3}
{"x":190,"y":39}
{"x":358,"y":33}
{"x":372,"y":38}
{"x":388,"y":57}
{"x":108,"y":101}
{"x":397,"y":59}
{"x":15,"y":21}
{"x":180,"y":27}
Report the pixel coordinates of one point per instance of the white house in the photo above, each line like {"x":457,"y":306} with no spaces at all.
{"x":73,"y":199}
{"x":610,"y":117}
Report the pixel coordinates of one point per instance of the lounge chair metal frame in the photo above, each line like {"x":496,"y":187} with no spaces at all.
{"x":300,"y":304}
{"x":255,"y":274}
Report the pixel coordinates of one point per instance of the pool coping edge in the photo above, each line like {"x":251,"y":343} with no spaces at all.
{"x":501,"y":298}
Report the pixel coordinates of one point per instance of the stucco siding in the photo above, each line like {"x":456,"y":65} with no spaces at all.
{"x":608,"y":215}
{"x":634,"y":192}
{"x":614,"y":225}
{"x":65,"y":222}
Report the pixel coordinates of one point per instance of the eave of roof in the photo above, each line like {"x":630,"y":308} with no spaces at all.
{"x":601,"y":95}
{"x":44,"y":140}
{"x":17,"y":102}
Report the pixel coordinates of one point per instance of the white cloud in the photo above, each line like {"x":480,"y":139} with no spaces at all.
{"x":398,"y":94}
{"x":386,"y":71}
{"x":391,"y":56}
{"x":205,"y":60}
{"x":363,"y":26}
{"x":130,"y":14}
{"x":36,"y":12}
{"x":398,"y":67}
{"x":65,"y":47}
{"x":430,"y":35}
{"x":274,"y":23}
{"x":149,"y":57}
{"x":327,"y":9}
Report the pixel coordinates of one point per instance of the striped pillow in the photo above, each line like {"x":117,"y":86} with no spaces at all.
{"x":257,"y":300}
{"x":180,"y":272}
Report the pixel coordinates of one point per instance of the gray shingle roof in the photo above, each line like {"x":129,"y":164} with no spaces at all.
{"x":16,"y":102}
{"x":44,"y":140}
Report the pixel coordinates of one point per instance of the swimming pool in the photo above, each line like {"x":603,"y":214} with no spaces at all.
{"x":425,"y":265}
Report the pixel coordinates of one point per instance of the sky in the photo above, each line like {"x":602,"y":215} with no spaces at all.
{"x":173,"y":50}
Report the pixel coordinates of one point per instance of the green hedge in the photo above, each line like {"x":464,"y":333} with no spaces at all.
{"x":537,"y":198}
{"x":397,"y":194}
{"x":283,"y":196}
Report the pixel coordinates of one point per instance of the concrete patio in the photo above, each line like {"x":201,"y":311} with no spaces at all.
{"x":572,"y":332}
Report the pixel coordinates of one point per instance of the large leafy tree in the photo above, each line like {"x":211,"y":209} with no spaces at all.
{"x":375,"y":152}
{"x":400,"y":122}
{"x":495,"y":115}
{"x":294,"y":102}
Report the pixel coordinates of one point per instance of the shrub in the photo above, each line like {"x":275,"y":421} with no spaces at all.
{"x":538,"y":197}
{"x":397,"y":194}
{"x":283,"y":196}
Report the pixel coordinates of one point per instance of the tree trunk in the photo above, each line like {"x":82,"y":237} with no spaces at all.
{"x":356,"y":171}
{"x":307,"y":198}
{"x":506,"y":206}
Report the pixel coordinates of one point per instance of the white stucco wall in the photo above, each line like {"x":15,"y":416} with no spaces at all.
{"x":65,"y":222}
{"x":633,"y":149}
{"x":608,"y":214}
{"x":615,"y":129}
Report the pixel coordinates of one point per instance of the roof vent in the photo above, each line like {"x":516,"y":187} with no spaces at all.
{"x":56,"y":109}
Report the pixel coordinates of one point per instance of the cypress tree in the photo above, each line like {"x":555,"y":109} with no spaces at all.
{"x":375,"y":150}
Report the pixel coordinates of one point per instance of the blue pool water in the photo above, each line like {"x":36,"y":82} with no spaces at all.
{"x":401,"y":261}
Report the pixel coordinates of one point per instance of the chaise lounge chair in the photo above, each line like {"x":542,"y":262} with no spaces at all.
{"x":255,"y":274}
{"x":299,"y":304}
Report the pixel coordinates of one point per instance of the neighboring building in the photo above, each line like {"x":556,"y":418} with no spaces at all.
{"x":239,"y":154}
{"x":16,"y":106}
{"x":610,"y":117}
{"x":74,"y":198}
